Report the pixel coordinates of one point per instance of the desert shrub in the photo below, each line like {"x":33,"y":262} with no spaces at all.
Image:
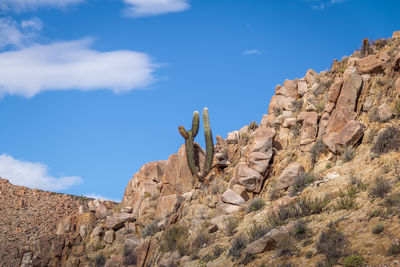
{"x":357,"y":183}
{"x":100,"y":260}
{"x":301,"y":182}
{"x":296,"y":105}
{"x":130,"y":257}
{"x":396,"y":109}
{"x":304,"y":207}
{"x":300,"y":229}
{"x":277,"y":111}
{"x":378,"y":228}
{"x":388,"y":140}
{"x":346,"y":199}
{"x":393,"y":200}
{"x":317,"y":149}
{"x":175,"y":238}
{"x":380,"y":187}
{"x":285,"y":246}
{"x":348,"y":155}
{"x":200,"y":241}
{"x":365,"y":49}
{"x":394,"y":249}
{"x":319,"y":106}
{"x":309,"y":255}
{"x":380,"y":43}
{"x":244,"y":138}
{"x":231,"y":224}
{"x":331,"y":243}
{"x":257,"y":230}
{"x":353,"y":261}
{"x":151,"y":229}
{"x":253,"y":125}
{"x":255,"y":204}
{"x":238,"y":244}
{"x":247,"y":259}
{"x":273,"y":194}
{"x":216,"y":189}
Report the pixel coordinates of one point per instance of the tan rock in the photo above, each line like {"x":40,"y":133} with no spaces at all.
{"x":289,"y":89}
{"x":368,"y":103}
{"x":350,"y":91}
{"x":233,"y":137}
{"x":289,"y":122}
{"x":289,"y":175}
{"x":109,"y":236}
{"x":131,"y":240}
{"x":339,"y":118}
{"x":329,"y":107}
{"x":118,"y":220}
{"x":115,"y":261}
{"x":167,"y":205}
{"x":241,"y":191}
{"x":229,"y":196}
{"x":396,"y":62}
{"x":310,"y":76}
{"x":334,"y":90}
{"x":384,"y":112}
{"x":350,"y":134}
{"x":309,"y":127}
{"x":396,"y":34}
{"x":259,"y":161}
{"x":248,"y":177}
{"x":370,"y":64}
{"x":265,"y":243}
{"x":229,"y":208}
{"x":302,"y":88}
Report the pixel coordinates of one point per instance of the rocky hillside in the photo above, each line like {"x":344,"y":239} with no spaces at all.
{"x":316,"y":183}
{"x":27,"y":214}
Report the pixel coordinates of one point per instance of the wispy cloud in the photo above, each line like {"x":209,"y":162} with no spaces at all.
{"x":33,"y":175}
{"x":28,"y":68}
{"x":251,"y":52}
{"x":18,"y":34}
{"x":100,"y":197}
{"x":322,"y":4}
{"x":142,"y":8}
{"x":24,"y":5}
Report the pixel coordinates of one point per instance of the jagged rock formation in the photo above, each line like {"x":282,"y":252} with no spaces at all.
{"x":315,"y":184}
{"x":27,"y":214}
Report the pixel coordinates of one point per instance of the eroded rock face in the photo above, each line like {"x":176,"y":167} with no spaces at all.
{"x":168,"y":205}
{"x":309,"y":128}
{"x":289,"y":175}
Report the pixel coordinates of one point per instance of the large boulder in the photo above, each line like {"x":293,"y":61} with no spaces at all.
{"x":370,"y":64}
{"x":168,"y":205}
{"x":231,"y":197}
{"x":248,"y":177}
{"x":350,"y":90}
{"x":267,"y":242}
{"x":334,"y":90}
{"x":289,"y":175}
{"x":118,"y":220}
{"x":350,"y":134}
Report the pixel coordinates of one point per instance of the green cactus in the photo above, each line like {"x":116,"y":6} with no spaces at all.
{"x":189,"y":142}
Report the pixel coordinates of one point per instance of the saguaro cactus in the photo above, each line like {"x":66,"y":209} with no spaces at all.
{"x":189,"y":142}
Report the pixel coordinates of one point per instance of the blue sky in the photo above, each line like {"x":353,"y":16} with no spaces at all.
{"x":93,"y":89}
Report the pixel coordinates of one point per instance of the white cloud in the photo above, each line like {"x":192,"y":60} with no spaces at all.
{"x":142,"y":8}
{"x":33,"y":175}
{"x":251,"y":52}
{"x":15,"y":34}
{"x":100,"y":197}
{"x":326,"y":3}
{"x":72,"y":65}
{"x":23,"y":5}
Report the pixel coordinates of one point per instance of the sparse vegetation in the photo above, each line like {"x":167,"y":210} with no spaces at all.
{"x":100,"y":260}
{"x":257,"y":230}
{"x":353,"y":261}
{"x":396,"y":109}
{"x":297,"y":104}
{"x":388,"y":140}
{"x":151,"y":229}
{"x":216,"y":252}
{"x":255,"y":204}
{"x":277,"y":111}
{"x":238,"y":244}
{"x":300,"y":230}
{"x":201,"y":241}
{"x":285,"y":246}
{"x":231,"y":224}
{"x":273,"y":193}
{"x":244,"y":138}
{"x":175,"y":238}
{"x":331,"y":243}
{"x":348,"y":155}
{"x":378,"y":228}
{"x":130,"y":257}
{"x":380,"y":187}
{"x":317,"y":149}
{"x":346,"y":199}
{"x":394,"y":249}
{"x":301,"y":182}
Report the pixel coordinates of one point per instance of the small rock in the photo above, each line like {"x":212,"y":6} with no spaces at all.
{"x":384,"y":113}
{"x":212,"y":229}
{"x":109,"y":236}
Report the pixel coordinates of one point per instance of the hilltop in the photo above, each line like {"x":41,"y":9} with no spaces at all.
{"x":316,"y":183}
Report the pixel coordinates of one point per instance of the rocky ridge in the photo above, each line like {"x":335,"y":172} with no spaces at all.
{"x":315,"y":184}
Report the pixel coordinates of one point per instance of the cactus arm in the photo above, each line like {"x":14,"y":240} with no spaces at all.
{"x":209,"y":143}
{"x":190,"y":153}
{"x":183,"y":132}
{"x":195,"y":123}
